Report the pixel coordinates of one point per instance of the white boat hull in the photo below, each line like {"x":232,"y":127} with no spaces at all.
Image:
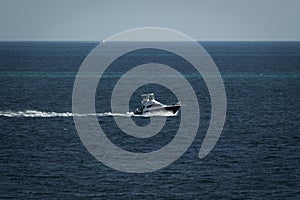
{"x":173,"y":109}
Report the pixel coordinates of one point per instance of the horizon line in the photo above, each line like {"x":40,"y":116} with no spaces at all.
{"x":93,"y":41}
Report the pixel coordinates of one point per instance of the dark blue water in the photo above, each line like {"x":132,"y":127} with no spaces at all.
{"x":256,"y":157}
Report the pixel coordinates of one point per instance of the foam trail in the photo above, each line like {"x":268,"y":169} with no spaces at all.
{"x":35,"y":113}
{"x":40,"y":114}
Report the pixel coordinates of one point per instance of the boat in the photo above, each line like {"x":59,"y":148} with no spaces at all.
{"x":152,"y":106}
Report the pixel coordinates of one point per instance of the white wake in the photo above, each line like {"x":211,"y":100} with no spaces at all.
{"x":36,"y":113}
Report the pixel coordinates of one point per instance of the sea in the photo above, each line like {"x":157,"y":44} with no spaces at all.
{"x":256,"y":157}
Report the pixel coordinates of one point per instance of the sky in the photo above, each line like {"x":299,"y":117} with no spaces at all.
{"x":96,"y":20}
